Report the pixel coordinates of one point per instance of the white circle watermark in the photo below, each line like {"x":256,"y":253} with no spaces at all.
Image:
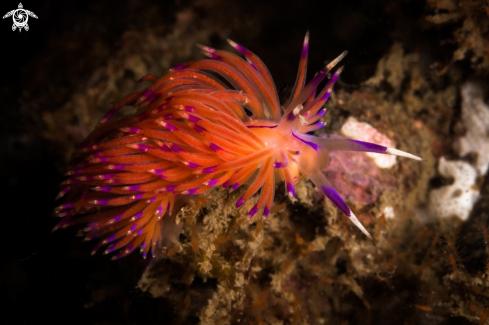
{"x":20,"y":17}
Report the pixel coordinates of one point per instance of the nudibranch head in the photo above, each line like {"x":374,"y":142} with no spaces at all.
{"x":194,"y":131}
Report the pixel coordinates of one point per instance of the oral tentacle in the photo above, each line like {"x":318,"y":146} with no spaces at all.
{"x":327,"y":189}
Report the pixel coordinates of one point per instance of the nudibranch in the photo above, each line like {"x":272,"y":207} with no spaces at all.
{"x":213,"y":123}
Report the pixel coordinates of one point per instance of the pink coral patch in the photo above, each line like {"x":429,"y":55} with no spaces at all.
{"x":356,"y":177}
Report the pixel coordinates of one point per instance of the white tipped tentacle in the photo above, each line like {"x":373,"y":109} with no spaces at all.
{"x":395,"y":152}
{"x":357,"y":223}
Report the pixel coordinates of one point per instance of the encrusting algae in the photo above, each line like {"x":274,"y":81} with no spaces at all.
{"x":304,"y":264}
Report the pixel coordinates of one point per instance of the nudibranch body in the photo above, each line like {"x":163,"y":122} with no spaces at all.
{"x":192,"y":132}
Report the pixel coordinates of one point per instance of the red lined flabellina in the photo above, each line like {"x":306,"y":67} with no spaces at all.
{"x":193,"y":132}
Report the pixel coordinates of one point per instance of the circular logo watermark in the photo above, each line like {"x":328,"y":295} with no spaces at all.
{"x":20,"y":16}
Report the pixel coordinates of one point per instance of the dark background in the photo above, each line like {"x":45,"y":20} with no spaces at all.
{"x":51,"y":277}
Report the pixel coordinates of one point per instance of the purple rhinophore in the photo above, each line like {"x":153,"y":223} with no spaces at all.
{"x":278,"y":164}
{"x":226,"y":184}
{"x":266,"y":211}
{"x":133,"y":188}
{"x":235,"y":186}
{"x":140,"y":232}
{"x":209,"y":170}
{"x":165,"y":148}
{"x":371,"y":147}
{"x":116,"y":218}
{"x":214,"y":56}
{"x":138,"y":215}
{"x":189,"y":108}
{"x":63,"y":192}
{"x":154,"y":96}
{"x":108,"y":116}
{"x":334,"y":78}
{"x":138,"y":196}
{"x":159,"y":171}
{"x":179,"y":67}
{"x":141,"y":147}
{"x":168,"y":117}
{"x":171,"y":188}
{"x":291,"y":189}
{"x":326,"y":95}
{"x":170,"y":127}
{"x":147,"y":94}
{"x":92,"y":227}
{"x":64,"y":206}
{"x":192,"y":191}
{"x":111,"y":238}
{"x":192,"y":165}
{"x":198,"y":128}
{"x":117,"y":167}
{"x":213,"y":182}
{"x":321,"y":113}
{"x":176,"y":148}
{"x":240,"y":202}
{"x":252,"y":65}
{"x":291,"y":116}
{"x":104,"y":188}
{"x":99,"y":202}
{"x":134,"y":227}
{"x":311,"y":144}
{"x":241,"y":49}
{"x":192,"y":118}
{"x":160,"y":108}
{"x":134,"y":130}
{"x":110,"y":249}
{"x":252,"y":212}
{"x":215,"y":147}
{"x":336,"y":199}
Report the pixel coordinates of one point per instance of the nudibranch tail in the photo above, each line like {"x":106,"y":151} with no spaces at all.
{"x":213,"y":123}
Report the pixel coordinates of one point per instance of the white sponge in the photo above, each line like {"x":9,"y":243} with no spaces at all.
{"x":458,"y":198}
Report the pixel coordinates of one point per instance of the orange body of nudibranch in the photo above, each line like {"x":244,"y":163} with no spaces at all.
{"x":192,"y":133}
